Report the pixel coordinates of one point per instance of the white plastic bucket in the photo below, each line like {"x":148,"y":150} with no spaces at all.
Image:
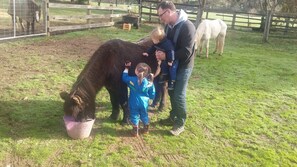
{"x":78,"y":130}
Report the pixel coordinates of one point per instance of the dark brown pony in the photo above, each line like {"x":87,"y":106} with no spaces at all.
{"x":104,"y":69}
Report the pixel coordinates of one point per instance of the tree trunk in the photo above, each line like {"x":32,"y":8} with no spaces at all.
{"x":267,"y":25}
{"x":200,"y":12}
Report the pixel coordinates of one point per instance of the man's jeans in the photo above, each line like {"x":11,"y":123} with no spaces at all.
{"x":178,"y":97}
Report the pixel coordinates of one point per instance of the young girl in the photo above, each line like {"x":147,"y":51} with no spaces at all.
{"x":141,"y":90}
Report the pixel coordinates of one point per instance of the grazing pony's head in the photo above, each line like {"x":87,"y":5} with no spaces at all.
{"x":79,"y":103}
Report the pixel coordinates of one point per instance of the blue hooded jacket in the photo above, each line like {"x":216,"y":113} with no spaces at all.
{"x":139,"y":94}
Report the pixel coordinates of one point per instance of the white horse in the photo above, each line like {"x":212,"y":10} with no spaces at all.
{"x":27,"y":10}
{"x":211,"y":29}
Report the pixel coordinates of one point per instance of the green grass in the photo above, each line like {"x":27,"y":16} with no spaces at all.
{"x":241,"y":109}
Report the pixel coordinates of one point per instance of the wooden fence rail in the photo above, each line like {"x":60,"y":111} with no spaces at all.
{"x":86,"y":21}
{"x":147,"y":11}
{"x":286,"y":23}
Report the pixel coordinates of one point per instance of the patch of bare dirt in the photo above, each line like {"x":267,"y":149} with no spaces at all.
{"x":17,"y":60}
{"x":13,"y":160}
{"x":142,"y":149}
{"x":67,"y":48}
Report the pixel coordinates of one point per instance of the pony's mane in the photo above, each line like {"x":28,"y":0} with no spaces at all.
{"x":145,"y":42}
{"x":83,"y":88}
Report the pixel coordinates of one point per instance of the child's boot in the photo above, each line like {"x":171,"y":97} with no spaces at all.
{"x":135,"y":131}
{"x":146,"y":129}
{"x":163,"y":77}
{"x":171,"y":85}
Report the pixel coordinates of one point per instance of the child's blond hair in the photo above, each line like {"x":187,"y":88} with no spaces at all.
{"x":158,"y":33}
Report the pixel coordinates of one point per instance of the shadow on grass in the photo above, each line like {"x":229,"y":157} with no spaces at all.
{"x":32,"y":119}
{"x":44,"y":120}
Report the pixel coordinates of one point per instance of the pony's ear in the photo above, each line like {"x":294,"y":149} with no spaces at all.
{"x":64,"y":95}
{"x":77,"y":100}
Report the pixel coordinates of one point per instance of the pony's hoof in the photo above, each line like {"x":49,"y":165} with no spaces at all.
{"x":114,"y":117}
{"x":126,"y":122}
{"x":123,"y":123}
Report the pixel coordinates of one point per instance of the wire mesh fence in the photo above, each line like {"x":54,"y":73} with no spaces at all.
{"x":21,"y":18}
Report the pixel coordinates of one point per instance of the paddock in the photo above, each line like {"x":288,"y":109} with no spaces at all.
{"x":241,"y":106}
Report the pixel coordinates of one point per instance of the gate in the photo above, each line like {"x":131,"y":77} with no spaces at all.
{"x":22,"y":18}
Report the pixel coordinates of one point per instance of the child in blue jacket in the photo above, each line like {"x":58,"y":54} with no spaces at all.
{"x":141,"y":90}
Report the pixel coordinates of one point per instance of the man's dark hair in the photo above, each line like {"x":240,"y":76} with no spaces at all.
{"x":166,"y":5}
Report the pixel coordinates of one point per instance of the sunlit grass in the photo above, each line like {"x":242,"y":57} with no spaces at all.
{"x":241,"y":109}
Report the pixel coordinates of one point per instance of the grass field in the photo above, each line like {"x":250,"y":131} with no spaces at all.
{"x":242,"y":106}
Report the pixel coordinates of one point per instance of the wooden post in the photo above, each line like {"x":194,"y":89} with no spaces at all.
{"x":150,"y":16}
{"x":267,"y":25}
{"x":248,"y":20}
{"x":88,"y":14}
{"x":287,"y":20}
{"x":140,"y":10}
{"x":200,"y":11}
{"x":262,"y":24}
{"x":233,"y":21}
{"x":111,"y":12}
{"x":47,"y":18}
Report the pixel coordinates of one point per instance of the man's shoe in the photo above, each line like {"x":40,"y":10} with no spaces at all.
{"x":176,"y":130}
{"x":167,"y":122}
